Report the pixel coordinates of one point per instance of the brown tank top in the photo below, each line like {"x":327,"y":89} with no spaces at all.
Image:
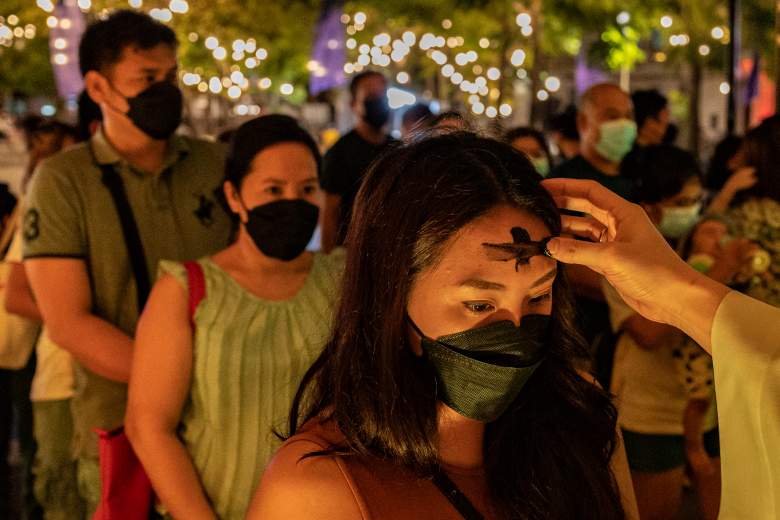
{"x":385,"y":491}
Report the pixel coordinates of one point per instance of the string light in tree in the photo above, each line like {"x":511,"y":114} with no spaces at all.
{"x":552,"y":83}
{"x":518,"y":57}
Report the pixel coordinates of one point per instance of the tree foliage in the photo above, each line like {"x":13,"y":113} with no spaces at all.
{"x":286,"y":30}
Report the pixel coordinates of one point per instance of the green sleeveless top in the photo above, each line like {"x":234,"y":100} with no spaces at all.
{"x":249,"y":356}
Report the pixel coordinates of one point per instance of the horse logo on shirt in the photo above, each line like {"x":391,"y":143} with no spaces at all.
{"x":205,"y":210}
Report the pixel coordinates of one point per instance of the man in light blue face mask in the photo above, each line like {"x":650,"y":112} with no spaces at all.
{"x":605,"y":120}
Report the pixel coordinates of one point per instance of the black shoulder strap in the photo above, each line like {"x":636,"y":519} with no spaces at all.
{"x":135,"y":248}
{"x":455,"y":496}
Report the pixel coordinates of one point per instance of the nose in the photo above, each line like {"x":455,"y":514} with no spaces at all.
{"x":513,"y":315}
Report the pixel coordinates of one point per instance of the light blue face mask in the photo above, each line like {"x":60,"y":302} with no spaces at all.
{"x":616,"y":139}
{"x":678,"y":222}
{"x":542,"y":165}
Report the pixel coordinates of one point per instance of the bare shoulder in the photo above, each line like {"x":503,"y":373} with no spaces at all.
{"x":297,"y":487}
{"x":167,"y":306}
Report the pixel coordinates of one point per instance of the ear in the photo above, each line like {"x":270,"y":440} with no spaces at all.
{"x":234,"y":200}
{"x":97,"y":87}
{"x":582,"y":121}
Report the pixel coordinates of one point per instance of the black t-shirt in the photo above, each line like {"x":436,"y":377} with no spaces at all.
{"x":578,"y":168}
{"x":632,"y":161}
{"x":343,"y":168}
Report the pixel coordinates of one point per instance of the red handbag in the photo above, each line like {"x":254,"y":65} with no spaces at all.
{"x":126,"y":492}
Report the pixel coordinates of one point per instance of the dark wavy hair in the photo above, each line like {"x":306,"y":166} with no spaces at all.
{"x":762,"y":151}
{"x":661,"y":171}
{"x":549,"y":455}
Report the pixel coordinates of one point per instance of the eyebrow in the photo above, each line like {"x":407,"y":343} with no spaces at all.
{"x":478,"y":283}
{"x":552,"y":273}
{"x":284,"y":181}
{"x":485,"y":285}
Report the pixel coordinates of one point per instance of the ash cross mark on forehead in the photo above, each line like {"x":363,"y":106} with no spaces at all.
{"x":520,"y":235}
{"x":521,"y":249}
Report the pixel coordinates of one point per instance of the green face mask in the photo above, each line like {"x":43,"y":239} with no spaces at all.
{"x":481,"y":371}
{"x":678,"y":222}
{"x":616,"y":139}
{"x":542,"y":166}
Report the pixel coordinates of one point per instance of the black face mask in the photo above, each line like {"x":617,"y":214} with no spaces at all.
{"x":377,"y":111}
{"x":282,"y":229}
{"x":480,"y":372}
{"x":157,"y":110}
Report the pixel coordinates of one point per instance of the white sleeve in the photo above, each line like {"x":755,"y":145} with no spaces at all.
{"x":746,"y":356}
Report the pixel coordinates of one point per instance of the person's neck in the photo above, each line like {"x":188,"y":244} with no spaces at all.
{"x":369,"y":133}
{"x":253,"y":260}
{"x":137,"y":148}
{"x":460,"y":439}
{"x":603,"y":165}
{"x":569,"y":148}
{"x":644,"y":141}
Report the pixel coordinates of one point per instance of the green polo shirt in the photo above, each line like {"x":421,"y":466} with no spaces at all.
{"x":70,"y":214}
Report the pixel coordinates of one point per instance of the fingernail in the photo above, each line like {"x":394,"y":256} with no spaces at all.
{"x":551,"y":247}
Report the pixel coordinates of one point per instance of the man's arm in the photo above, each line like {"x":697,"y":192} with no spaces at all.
{"x":18,"y":298}
{"x":61,"y":288}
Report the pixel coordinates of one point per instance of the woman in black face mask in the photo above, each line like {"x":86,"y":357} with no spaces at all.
{"x":448,"y":389}
{"x":224,"y":341}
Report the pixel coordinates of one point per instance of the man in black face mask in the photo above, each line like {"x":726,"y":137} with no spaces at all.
{"x":102,"y":214}
{"x":346,"y":162}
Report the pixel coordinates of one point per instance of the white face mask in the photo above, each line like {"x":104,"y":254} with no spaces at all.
{"x":678,"y":222}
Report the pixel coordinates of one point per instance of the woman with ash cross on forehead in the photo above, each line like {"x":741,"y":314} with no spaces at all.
{"x":449,"y":389}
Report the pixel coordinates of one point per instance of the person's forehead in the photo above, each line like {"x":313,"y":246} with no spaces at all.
{"x":162,"y":56}
{"x":611,"y":98}
{"x":372,"y":84}
{"x":527,"y":142}
{"x":712,"y":226}
{"x":690,"y":190}
{"x":495,"y":227}
{"x":692,"y":185}
{"x":285,"y":155}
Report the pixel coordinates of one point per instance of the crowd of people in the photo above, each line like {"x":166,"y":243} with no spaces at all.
{"x":510,"y":326}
